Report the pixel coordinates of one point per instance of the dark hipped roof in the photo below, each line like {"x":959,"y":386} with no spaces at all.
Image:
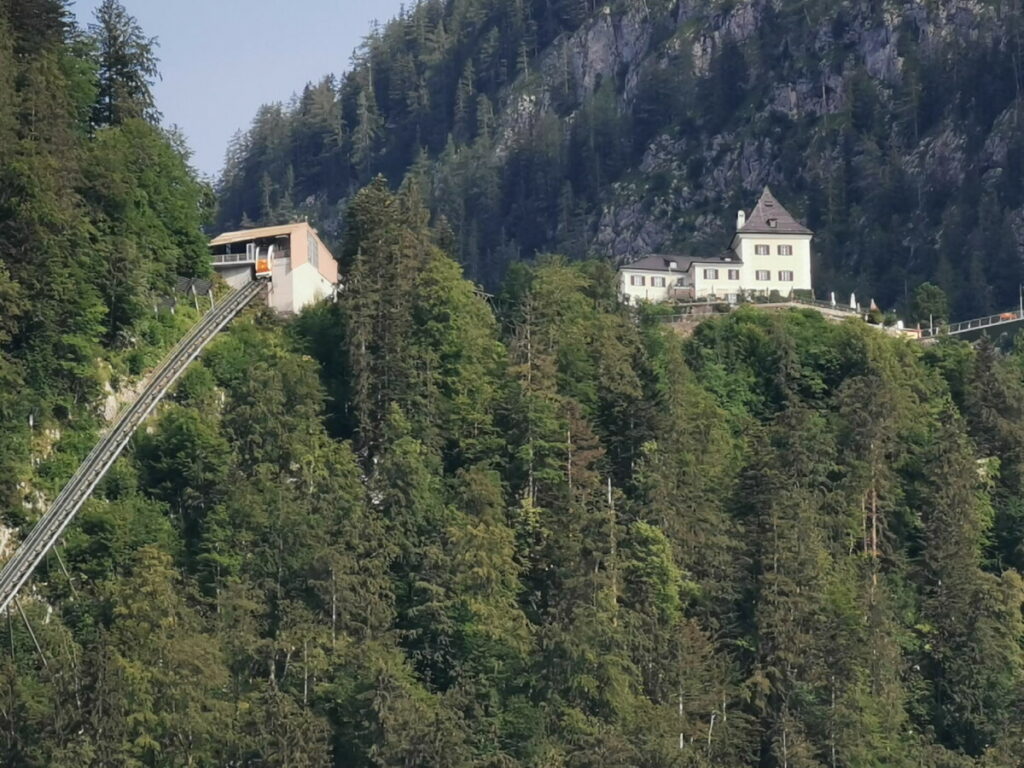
{"x":767,"y":210}
{"x":660,"y":262}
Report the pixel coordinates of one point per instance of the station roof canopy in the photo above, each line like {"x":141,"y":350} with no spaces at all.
{"x":259,"y":233}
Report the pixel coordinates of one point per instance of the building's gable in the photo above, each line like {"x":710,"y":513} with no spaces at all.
{"x":770,"y":217}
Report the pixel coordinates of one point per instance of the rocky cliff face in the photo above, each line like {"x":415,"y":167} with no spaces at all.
{"x":577,"y":65}
{"x":837,"y":45}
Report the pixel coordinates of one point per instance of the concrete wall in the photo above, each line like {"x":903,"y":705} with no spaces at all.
{"x":799,"y":263}
{"x":721,"y":286}
{"x":307,"y":286}
{"x":281,"y":286}
{"x":648,"y":291}
{"x":298,"y":247}
{"x":328,"y":267}
{"x":237,"y":276}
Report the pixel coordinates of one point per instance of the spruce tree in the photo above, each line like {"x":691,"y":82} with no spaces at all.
{"x":127,"y":67}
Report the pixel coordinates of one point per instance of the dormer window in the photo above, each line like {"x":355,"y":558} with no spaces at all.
{"x":773,"y":223}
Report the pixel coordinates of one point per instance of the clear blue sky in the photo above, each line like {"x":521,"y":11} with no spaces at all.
{"x":221,"y":59}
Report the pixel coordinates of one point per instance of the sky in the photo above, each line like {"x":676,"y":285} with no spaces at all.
{"x":222,"y":59}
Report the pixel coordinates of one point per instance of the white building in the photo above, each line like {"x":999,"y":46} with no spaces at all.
{"x":770,"y":252}
{"x":300,"y":269}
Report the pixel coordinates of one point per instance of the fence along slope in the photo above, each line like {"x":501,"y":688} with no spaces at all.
{"x":51,"y":525}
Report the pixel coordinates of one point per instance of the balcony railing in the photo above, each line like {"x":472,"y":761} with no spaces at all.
{"x":244,"y":258}
{"x":234,"y":258}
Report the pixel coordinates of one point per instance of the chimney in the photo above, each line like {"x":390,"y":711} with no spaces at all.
{"x":741,"y":219}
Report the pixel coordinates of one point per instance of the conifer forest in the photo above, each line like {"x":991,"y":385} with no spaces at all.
{"x":477,"y":513}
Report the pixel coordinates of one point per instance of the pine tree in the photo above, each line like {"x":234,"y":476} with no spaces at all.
{"x":683,"y":474}
{"x":381,"y":260}
{"x":127,"y":67}
{"x":365,"y":132}
{"x":37,"y":24}
{"x":973,"y":657}
{"x":791,"y":567}
{"x":465,"y":118}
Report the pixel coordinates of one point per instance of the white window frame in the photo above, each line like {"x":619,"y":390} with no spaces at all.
{"x":763,"y":275}
{"x":785,"y":250}
{"x":637,"y":281}
{"x":734,"y":274}
{"x":710,"y":273}
{"x":657,"y":282}
{"x":785,"y":276}
{"x":762,"y":250}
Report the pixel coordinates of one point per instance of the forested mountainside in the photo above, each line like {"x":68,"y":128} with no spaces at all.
{"x":99,"y":212}
{"x":414,"y":528}
{"x":616,"y":129}
{"x":422,"y":526}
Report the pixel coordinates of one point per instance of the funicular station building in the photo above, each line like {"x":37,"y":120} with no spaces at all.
{"x":292,"y":257}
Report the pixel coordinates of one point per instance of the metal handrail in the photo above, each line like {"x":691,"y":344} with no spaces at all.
{"x":243,"y":258}
{"x":52,"y":524}
{"x":234,"y":258}
{"x":963,"y":326}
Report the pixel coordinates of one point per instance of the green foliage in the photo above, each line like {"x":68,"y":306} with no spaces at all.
{"x":127,"y":67}
{"x":429,"y":527}
{"x":564,"y":535}
{"x":930,"y":304}
{"x":94,"y":227}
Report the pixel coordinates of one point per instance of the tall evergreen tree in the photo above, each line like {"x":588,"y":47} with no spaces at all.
{"x":127,"y":67}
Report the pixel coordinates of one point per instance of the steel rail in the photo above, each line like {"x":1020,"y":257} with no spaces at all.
{"x":52,"y":524}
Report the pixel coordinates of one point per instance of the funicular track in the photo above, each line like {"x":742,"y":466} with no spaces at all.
{"x":52,"y":524}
